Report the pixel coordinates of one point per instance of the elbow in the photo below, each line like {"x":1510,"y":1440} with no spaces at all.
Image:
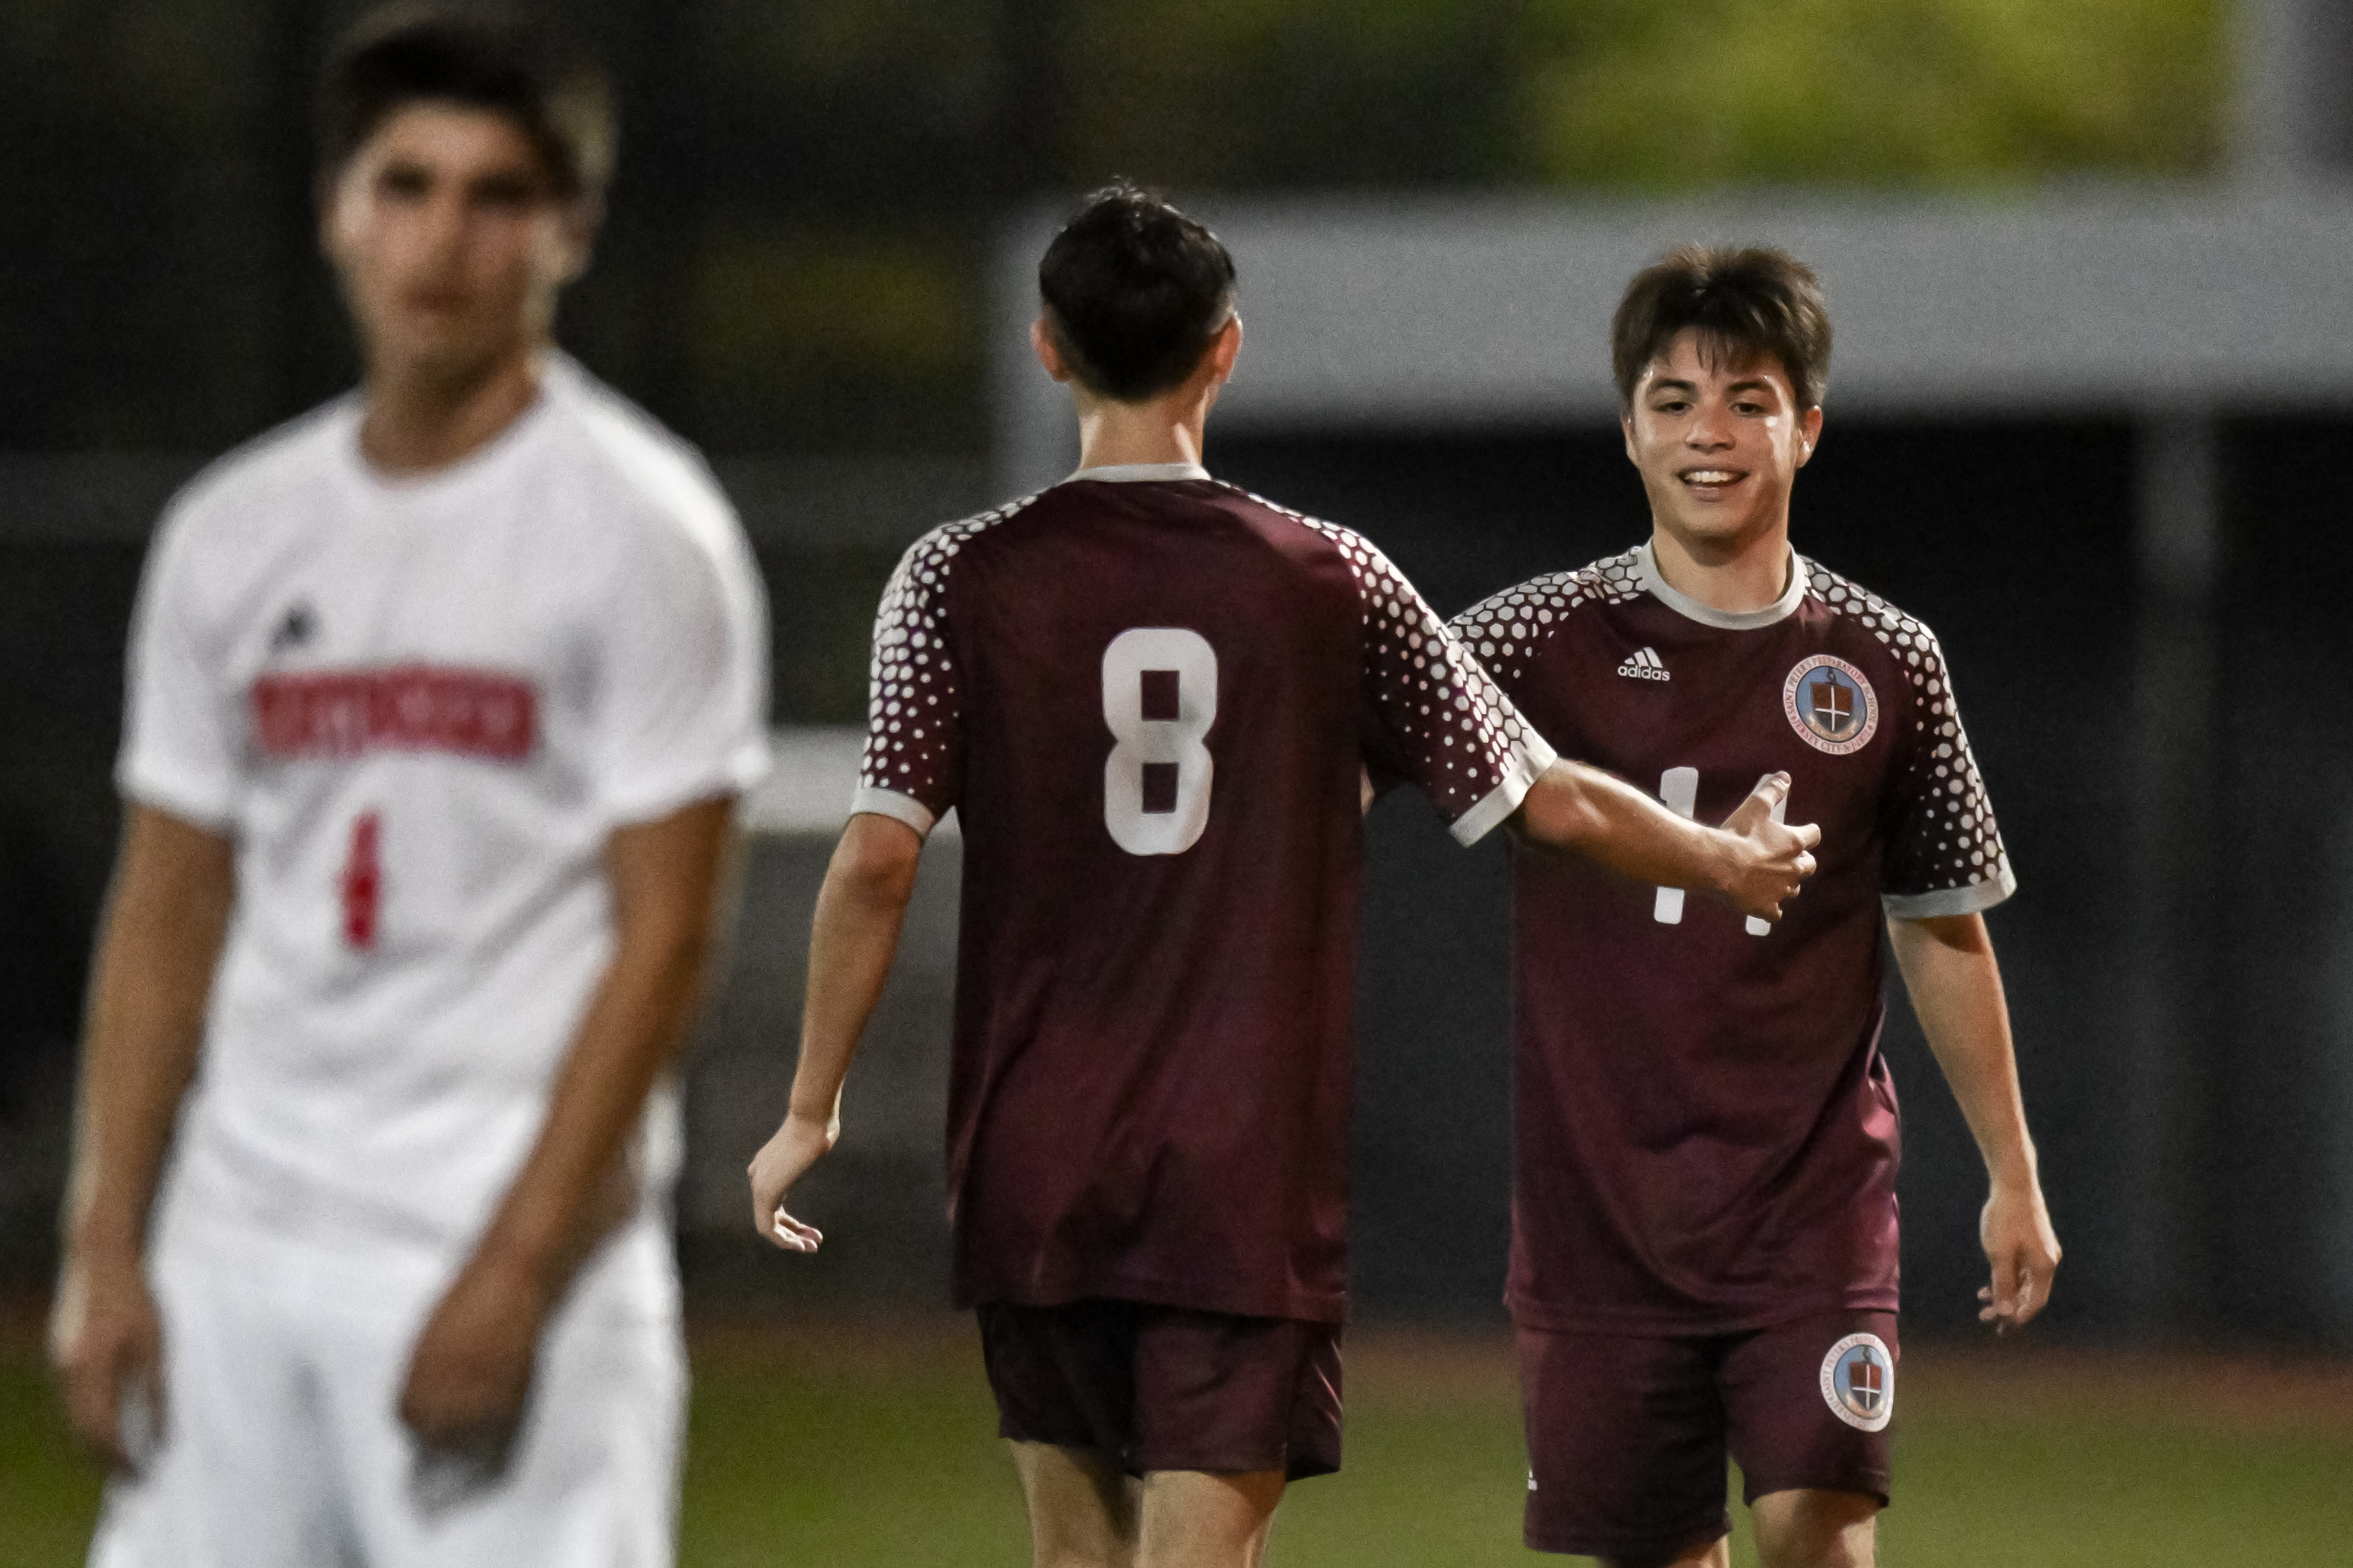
{"x":875,"y":863}
{"x":884,"y":885}
{"x":677,"y":944}
{"x":690,"y":948}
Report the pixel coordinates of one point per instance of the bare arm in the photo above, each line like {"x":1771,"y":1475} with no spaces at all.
{"x":1956,"y":986}
{"x":159,"y":942}
{"x":1752,"y":862}
{"x":473,"y":1365}
{"x":859,"y":911}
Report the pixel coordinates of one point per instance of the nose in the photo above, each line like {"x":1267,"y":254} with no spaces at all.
{"x":445,"y":223}
{"x":1709,"y":429}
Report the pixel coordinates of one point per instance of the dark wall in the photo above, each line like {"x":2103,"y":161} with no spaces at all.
{"x":63,"y":609}
{"x":2273,"y":1131}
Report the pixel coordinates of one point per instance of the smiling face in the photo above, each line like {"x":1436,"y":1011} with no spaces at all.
{"x":450,"y":241}
{"x":1718,"y":446}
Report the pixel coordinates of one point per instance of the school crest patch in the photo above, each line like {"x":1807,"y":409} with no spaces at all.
{"x":1858,"y":1382}
{"x":1830,"y":705}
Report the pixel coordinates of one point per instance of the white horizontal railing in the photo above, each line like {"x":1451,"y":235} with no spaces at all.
{"x":809,"y":790}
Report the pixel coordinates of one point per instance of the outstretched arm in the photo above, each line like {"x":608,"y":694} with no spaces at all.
{"x":1948,"y":968}
{"x":161,"y":941}
{"x":855,"y":935}
{"x":1752,"y":862}
{"x":473,"y":1365}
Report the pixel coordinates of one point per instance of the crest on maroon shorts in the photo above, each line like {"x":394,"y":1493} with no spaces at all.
{"x":1830,"y":705}
{"x":1858,"y":1382}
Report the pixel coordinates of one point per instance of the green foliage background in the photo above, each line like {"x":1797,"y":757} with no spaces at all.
{"x":1633,"y":95}
{"x":1926,"y":93}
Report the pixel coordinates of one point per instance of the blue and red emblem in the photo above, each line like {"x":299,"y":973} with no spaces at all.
{"x":1858,"y":1382}
{"x":1830,"y":705}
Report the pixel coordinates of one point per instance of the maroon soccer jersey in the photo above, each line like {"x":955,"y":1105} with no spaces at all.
{"x":1148,"y":695}
{"x":1705,"y":1129}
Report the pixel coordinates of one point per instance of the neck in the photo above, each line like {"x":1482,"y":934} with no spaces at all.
{"x":1165,"y":429}
{"x":420,"y":420}
{"x":1737,"y":577}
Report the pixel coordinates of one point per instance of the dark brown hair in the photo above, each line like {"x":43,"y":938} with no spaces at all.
{"x":1745,"y":301}
{"x":475,"y":57}
{"x":1135,"y":292}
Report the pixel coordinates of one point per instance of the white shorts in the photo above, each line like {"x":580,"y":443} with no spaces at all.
{"x":283,"y":1447}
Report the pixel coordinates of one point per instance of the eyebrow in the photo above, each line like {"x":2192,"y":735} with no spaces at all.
{"x":1746,"y":383}
{"x":504,"y":182}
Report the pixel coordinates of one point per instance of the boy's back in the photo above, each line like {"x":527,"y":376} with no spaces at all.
{"x":1151,"y":1067}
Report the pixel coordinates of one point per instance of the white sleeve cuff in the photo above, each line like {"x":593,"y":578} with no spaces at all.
{"x":176,"y":794}
{"x":1968,"y":900}
{"x":1529,"y":761}
{"x":652,"y":798}
{"x":890,"y":803}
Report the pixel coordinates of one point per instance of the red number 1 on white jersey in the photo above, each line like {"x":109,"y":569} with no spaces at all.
{"x":363,"y":881}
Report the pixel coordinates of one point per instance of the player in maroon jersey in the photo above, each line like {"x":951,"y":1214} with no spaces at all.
{"x":1152,"y":701}
{"x":1703,"y":1226}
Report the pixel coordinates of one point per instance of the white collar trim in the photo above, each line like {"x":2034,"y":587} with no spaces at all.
{"x":1684,"y":605}
{"x":1139,"y":473}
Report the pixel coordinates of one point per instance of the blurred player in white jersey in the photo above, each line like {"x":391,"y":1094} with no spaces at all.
{"x":439,"y":702}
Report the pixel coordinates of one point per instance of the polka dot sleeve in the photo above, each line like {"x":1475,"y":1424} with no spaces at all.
{"x":1508,"y":630}
{"x":1944,"y":853}
{"x":1443,"y":721}
{"x":913,"y":769}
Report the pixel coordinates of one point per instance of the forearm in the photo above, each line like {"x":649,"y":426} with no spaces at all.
{"x":1949,"y":969}
{"x":576,"y":1184}
{"x":161,"y":939}
{"x":860,"y":910}
{"x":1582,"y":811}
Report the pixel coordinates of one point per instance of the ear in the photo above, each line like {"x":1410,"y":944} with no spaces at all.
{"x":1223,"y":350}
{"x":1041,"y":343}
{"x":329,"y":193}
{"x":581,"y":220}
{"x":1626,"y":428}
{"x":1809,"y":434}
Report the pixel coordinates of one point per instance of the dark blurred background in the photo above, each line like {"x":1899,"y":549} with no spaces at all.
{"x":813,"y":269}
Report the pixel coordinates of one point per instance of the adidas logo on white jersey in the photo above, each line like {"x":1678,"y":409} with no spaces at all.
{"x":1645,"y":665}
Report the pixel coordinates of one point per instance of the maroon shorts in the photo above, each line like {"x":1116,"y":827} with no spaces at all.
{"x":1161,"y":1388}
{"x":1628,"y":1437}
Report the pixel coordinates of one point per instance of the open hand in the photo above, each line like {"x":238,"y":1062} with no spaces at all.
{"x":1770,"y":861}
{"x":2024,"y":1252}
{"x":106,"y":1341}
{"x":782,"y":1161}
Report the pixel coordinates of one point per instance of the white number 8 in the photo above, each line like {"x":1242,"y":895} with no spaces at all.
{"x":1159,"y":699}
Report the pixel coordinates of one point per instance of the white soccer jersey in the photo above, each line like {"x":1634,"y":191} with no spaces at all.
{"x":419,"y":708}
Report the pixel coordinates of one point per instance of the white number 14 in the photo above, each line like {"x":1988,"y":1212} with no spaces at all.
{"x":1678,"y":790}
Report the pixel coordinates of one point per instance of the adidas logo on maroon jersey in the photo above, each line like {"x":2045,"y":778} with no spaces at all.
{"x":1645,"y":665}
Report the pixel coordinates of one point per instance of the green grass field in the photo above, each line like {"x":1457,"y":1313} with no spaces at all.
{"x":827,"y":1444}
